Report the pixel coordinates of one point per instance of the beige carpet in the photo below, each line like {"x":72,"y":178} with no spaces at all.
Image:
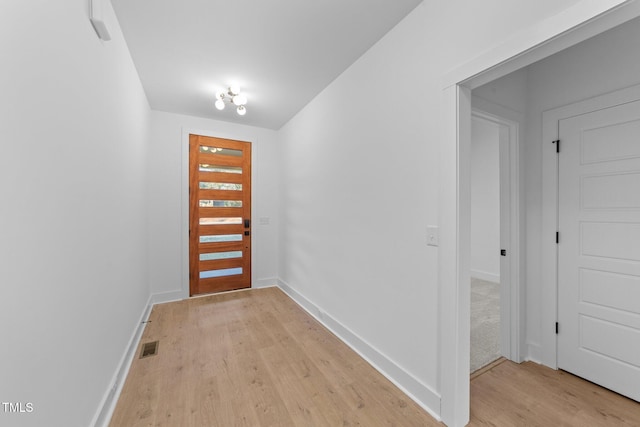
{"x":485,"y":323}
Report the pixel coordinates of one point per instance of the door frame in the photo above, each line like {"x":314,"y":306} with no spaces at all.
{"x":184,"y":202}
{"x":551,"y":205}
{"x":511,"y":301}
{"x":577,"y":23}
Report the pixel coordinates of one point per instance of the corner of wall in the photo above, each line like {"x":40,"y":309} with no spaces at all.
{"x":419,"y":392}
{"x":162,"y":297}
{"x":265,"y":283}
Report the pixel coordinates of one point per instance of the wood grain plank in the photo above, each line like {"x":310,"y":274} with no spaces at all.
{"x":219,"y":160}
{"x":235,"y":178}
{"x":231,"y":359}
{"x":255,"y":358}
{"x":530,"y":394}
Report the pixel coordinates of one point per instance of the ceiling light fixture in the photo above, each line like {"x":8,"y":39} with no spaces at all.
{"x":232,"y":96}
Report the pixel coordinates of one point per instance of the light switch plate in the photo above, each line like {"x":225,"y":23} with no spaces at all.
{"x":432,"y":235}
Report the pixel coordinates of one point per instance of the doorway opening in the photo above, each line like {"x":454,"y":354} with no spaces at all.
{"x":485,"y":243}
{"x":494,"y":261}
{"x":582,"y":22}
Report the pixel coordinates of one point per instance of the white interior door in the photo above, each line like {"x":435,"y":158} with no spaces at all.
{"x":599,"y":247}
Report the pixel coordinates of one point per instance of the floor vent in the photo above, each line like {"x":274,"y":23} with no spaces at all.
{"x":149,"y":349}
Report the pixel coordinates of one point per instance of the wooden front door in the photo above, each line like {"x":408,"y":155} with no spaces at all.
{"x":219,"y":214}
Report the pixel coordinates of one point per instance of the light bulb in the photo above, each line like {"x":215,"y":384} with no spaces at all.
{"x":220,"y":94}
{"x":234,"y":90}
{"x":239,"y":99}
{"x":241,"y":110}
{"x":220,"y":104}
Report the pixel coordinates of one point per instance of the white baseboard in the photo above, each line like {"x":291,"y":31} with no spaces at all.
{"x":265,"y":283}
{"x":419,"y":392}
{"x":533,"y":353}
{"x":168,"y":297}
{"x":108,"y":403}
{"x":422,"y":394}
{"x":484,"y":275}
{"x":179,"y":295}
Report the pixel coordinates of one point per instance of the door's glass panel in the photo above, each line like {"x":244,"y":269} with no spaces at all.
{"x":221,"y":169}
{"x":220,"y":203}
{"x":221,"y":273}
{"x":220,"y":186}
{"x":221,"y":151}
{"x":220,"y":255}
{"x":220,"y":221}
{"x":221,"y":238}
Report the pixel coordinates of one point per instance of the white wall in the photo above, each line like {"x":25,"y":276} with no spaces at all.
{"x":360,"y":184}
{"x":355,"y":207}
{"x":168,"y":189}
{"x":599,"y":65}
{"x":73,"y":264}
{"x":485,"y":200}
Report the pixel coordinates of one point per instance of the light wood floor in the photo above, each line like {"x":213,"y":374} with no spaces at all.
{"x":528,"y":394}
{"x":254,"y":358}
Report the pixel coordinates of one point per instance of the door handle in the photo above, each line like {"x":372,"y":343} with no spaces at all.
{"x":247,"y":223}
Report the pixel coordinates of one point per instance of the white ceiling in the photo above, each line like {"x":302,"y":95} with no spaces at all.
{"x":281,"y":53}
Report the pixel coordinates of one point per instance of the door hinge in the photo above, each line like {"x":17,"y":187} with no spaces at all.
{"x":503,"y":252}
{"x":557,"y":328}
{"x":557,"y":142}
{"x":557,"y":237}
